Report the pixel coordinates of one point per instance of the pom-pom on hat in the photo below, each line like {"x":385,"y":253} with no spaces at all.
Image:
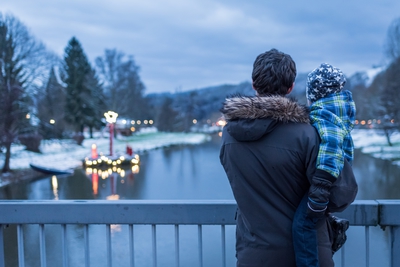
{"x":323,"y":81}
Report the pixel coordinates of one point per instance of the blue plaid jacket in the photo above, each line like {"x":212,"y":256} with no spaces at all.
{"x":333,"y":117}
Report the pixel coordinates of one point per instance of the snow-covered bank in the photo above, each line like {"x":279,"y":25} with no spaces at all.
{"x":374,"y":142}
{"x":64,"y":154}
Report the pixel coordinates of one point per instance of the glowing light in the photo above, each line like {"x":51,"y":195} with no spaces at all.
{"x":194,"y":121}
{"x":369,"y":122}
{"x":122,"y":174}
{"x":138,"y":122}
{"x":122,"y":158}
{"x":362,"y":122}
{"x":133,"y":129}
{"x":135,"y":169}
{"x":132,"y":122}
{"x":392,"y":120}
{"x":220,"y":134}
{"x":52,"y":121}
{"x":356,"y":122}
{"x":111,"y":116}
{"x":151,"y":122}
{"x":221,"y":123}
{"x":123,"y":121}
{"x":28,"y":116}
{"x":145,"y":121}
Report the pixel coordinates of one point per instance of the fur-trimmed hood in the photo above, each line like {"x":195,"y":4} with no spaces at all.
{"x":277,"y":108}
{"x":251,"y":117}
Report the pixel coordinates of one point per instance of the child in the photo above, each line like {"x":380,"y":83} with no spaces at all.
{"x":332,"y":113}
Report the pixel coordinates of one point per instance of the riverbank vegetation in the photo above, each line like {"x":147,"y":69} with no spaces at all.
{"x":45,"y":98}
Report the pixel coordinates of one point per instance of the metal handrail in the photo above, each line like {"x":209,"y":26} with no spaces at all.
{"x":383,"y":213}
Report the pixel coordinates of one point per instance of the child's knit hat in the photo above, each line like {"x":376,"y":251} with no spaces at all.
{"x":323,"y":81}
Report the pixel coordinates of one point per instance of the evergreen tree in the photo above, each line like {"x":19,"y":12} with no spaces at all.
{"x":96,"y":107}
{"x":82,"y":89}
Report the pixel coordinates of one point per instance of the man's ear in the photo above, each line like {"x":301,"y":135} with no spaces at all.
{"x":252,"y":85}
{"x":290,"y":89}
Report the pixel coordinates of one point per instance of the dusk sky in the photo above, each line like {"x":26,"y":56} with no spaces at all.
{"x":189,"y":44}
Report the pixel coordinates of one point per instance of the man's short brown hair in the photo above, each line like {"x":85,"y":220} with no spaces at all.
{"x":274,"y":73}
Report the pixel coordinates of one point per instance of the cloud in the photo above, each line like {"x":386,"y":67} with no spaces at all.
{"x":191,"y":44}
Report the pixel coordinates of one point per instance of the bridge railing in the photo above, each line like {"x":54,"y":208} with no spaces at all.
{"x":177,"y":214}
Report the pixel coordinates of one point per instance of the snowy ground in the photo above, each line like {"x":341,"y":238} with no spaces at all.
{"x":65,"y":154}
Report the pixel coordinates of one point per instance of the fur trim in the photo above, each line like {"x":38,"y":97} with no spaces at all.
{"x":275,"y":107}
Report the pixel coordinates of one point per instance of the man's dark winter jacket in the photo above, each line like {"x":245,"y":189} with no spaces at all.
{"x":269,"y":153}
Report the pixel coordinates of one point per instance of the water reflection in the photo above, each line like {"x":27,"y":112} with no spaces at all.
{"x":179,"y":172}
{"x":114,"y":175}
{"x":54,"y":183}
{"x":377,"y":178}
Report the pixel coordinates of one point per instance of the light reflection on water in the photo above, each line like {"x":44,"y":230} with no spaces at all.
{"x":186,"y":172}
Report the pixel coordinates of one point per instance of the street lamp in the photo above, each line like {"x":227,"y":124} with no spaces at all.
{"x":111,"y":118}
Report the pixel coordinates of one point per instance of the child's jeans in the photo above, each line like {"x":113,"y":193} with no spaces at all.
{"x":305,"y":237}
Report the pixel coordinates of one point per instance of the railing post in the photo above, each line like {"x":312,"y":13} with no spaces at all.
{"x":390,"y":216}
{"x":395,"y":246}
{"x":1,"y":246}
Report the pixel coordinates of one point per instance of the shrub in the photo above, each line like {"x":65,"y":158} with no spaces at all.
{"x":78,"y":138}
{"x":31,"y":141}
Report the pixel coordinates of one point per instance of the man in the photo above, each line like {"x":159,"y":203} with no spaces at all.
{"x":269,"y":153}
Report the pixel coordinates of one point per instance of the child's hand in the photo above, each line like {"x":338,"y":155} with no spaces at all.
{"x":318,"y":197}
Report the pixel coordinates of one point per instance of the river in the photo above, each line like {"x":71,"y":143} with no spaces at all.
{"x":178,"y":172}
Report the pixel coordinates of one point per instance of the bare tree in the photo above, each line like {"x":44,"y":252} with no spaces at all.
{"x":22,"y":64}
{"x":392,"y":45}
{"x":391,"y":81}
{"x":120,"y":76}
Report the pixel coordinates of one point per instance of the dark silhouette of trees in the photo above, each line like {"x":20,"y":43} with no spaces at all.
{"x":22,"y":62}
{"x":168,"y":119}
{"x":392,"y":45}
{"x":387,"y":84}
{"x":51,"y":107}
{"x":123,"y":87}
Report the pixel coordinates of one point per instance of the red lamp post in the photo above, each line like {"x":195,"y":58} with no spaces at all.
{"x":111,"y":118}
